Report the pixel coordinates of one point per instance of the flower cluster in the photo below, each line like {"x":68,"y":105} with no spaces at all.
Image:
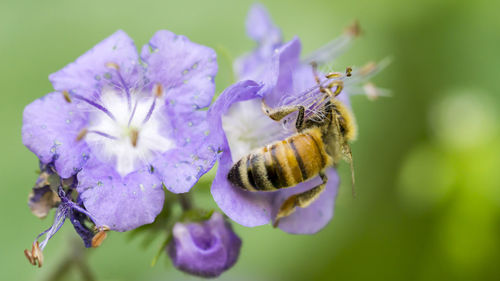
{"x":122,"y":129}
{"x":273,"y":72}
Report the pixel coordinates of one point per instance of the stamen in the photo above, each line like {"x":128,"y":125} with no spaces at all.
{"x":150,"y":112}
{"x":134,"y":136}
{"x":81,"y":134}
{"x":314,"y":66}
{"x":158,"y":90}
{"x":115,"y":66}
{"x":333,"y":75}
{"x":133,"y":112}
{"x":354,"y":29}
{"x":29,"y":256}
{"x":100,"y":236}
{"x":334,"y":48}
{"x":367,"y":68}
{"x":66,"y":96}
{"x":371,"y":91}
{"x":96,"y":105}
{"x":35,"y":256}
{"x":348,"y":71}
{"x":102,"y":134}
{"x":86,"y":131}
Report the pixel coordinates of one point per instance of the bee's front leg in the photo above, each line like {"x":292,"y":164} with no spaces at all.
{"x":301,"y":200}
{"x":281,"y":112}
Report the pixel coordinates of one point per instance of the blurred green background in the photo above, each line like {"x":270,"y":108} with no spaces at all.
{"x":427,"y":159}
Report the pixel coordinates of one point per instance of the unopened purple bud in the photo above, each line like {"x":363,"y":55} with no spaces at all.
{"x":206,"y":248}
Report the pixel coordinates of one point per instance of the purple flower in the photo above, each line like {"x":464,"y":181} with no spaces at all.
{"x":273,"y":72}
{"x":205,"y":249}
{"x":126,"y":125}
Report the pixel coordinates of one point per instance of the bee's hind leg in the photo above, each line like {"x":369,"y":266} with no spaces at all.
{"x":281,"y":112}
{"x":301,"y":200}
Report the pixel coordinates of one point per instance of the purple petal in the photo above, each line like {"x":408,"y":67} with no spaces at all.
{"x":303,"y":79}
{"x":185,"y":69}
{"x":86,"y":233}
{"x":89,"y":72}
{"x":260,"y":27}
{"x":276,"y":74}
{"x":194,"y":155}
{"x":120,"y":203}
{"x":246,"y":208}
{"x":241,"y":91}
{"x":50,"y":128}
{"x":268,"y":37}
{"x":317,"y":215}
{"x":285,"y":62}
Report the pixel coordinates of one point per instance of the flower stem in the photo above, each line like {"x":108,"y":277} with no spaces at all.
{"x":186,"y":201}
{"x":76,"y":257}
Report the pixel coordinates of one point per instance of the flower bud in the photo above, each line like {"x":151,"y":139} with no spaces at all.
{"x":206,"y":248}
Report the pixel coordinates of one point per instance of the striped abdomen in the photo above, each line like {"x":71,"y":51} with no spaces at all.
{"x":281,"y":164}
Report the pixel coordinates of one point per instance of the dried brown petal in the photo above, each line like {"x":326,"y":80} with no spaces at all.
{"x":41,"y":200}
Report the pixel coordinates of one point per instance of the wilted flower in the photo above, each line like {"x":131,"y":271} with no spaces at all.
{"x":205,"y":248}
{"x":43,"y":197}
{"x":273,"y":72}
{"x":124,"y":125}
{"x":51,"y":191}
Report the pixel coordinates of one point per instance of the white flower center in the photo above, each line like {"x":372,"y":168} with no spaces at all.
{"x":248,"y":128}
{"x":130,"y":137}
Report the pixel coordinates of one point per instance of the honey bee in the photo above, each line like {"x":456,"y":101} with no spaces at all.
{"x":322,"y":139}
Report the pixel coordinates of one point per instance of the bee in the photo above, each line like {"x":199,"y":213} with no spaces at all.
{"x":321,"y":141}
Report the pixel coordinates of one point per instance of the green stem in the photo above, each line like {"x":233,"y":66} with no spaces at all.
{"x":186,"y":201}
{"x":77,"y":257}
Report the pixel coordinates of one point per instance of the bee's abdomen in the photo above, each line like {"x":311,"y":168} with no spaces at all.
{"x":281,"y":164}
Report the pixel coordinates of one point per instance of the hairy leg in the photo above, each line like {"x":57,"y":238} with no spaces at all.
{"x":300,"y":200}
{"x":281,"y":112}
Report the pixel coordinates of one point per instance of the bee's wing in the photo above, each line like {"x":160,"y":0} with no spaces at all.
{"x":312,"y":100}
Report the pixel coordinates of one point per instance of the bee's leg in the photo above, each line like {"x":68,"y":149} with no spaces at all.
{"x":299,"y":122}
{"x":301,"y":200}
{"x":281,"y":112}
